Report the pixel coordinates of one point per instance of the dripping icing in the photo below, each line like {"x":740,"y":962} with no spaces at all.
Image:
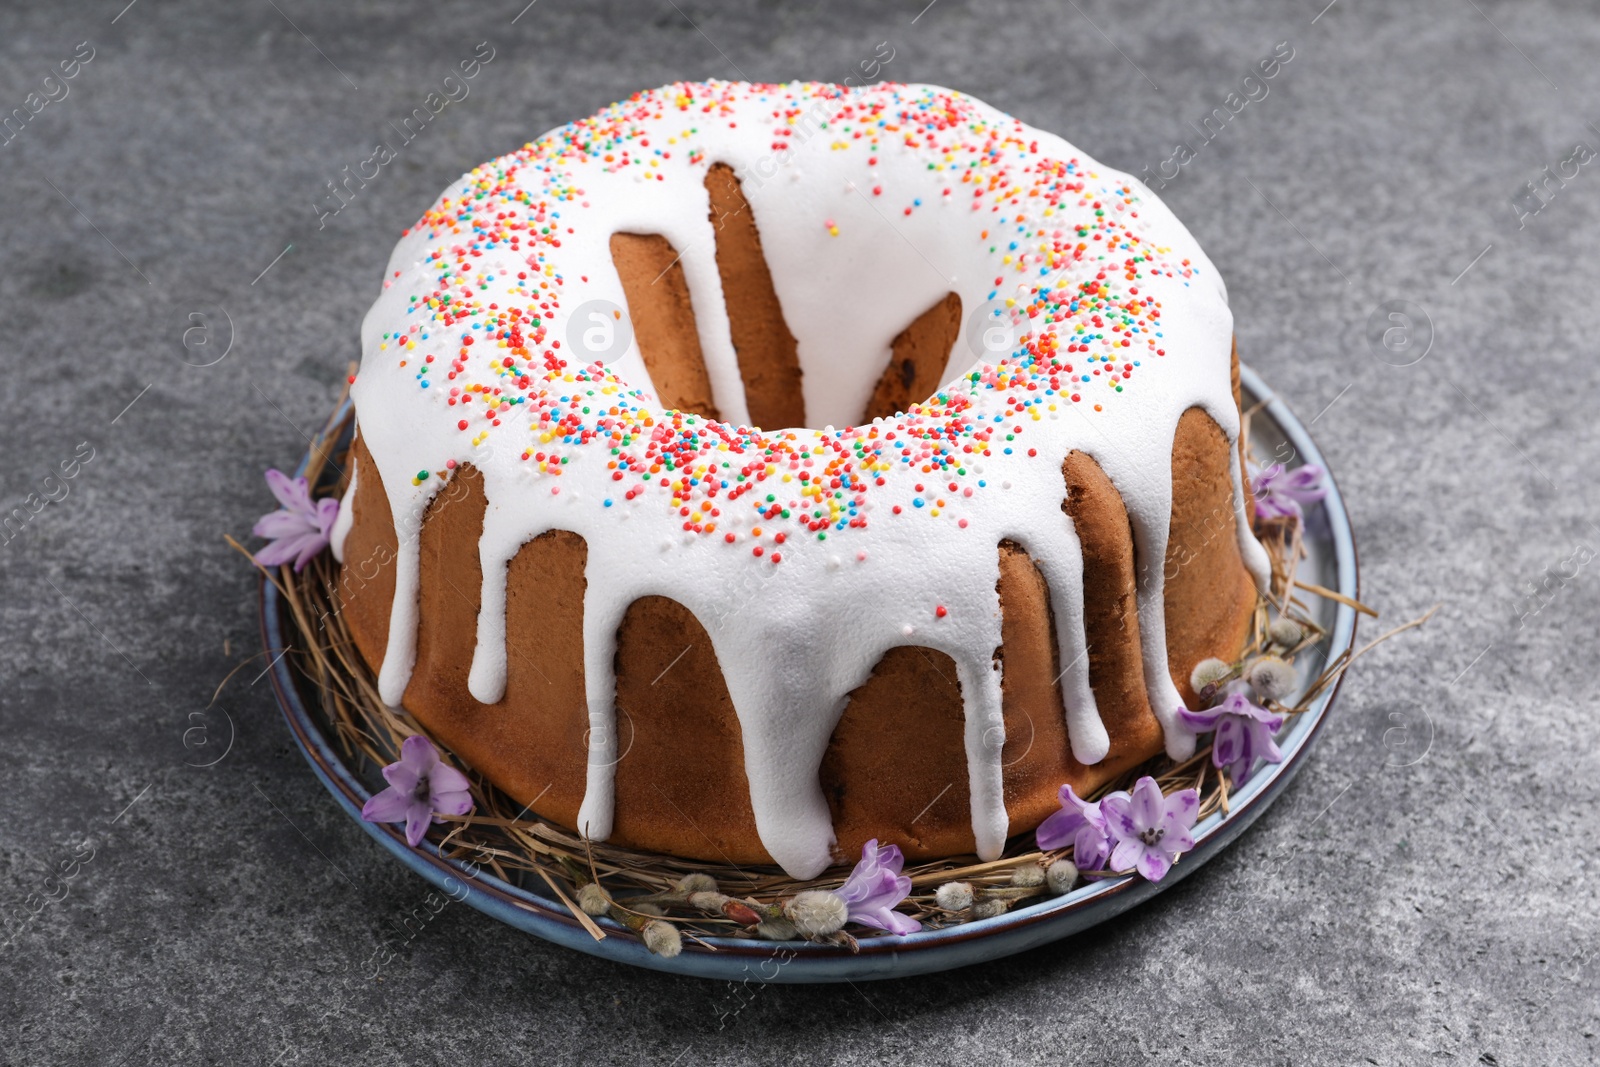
{"x":347,"y":507}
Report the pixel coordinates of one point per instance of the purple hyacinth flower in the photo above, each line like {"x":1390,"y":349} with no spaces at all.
{"x":875,"y":887}
{"x":1151,"y":829}
{"x":1243,"y":733}
{"x":300,"y":528}
{"x":1083,"y":826}
{"x":419,"y":786}
{"x":1280,"y":493}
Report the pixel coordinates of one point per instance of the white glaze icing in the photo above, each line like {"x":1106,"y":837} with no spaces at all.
{"x":851,"y":268}
{"x":346,"y":518}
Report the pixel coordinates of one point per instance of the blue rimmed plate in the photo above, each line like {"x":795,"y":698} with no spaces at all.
{"x":1331,"y":563}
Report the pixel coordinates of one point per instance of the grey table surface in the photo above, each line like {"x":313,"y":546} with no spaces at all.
{"x":1426,"y":891}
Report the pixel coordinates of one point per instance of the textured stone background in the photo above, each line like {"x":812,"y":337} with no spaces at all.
{"x":1425,"y":892}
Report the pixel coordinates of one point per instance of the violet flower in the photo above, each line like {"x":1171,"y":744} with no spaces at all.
{"x":1280,"y":493}
{"x":419,"y":786}
{"x":300,"y":528}
{"x":1083,"y":825}
{"x":1243,"y":732}
{"x":875,"y":887}
{"x":1151,"y":829}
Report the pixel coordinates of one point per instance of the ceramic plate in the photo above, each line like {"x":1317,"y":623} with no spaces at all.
{"x":1275,"y":433}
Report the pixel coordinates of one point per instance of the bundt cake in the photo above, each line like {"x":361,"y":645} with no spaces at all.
{"x":748,"y":471}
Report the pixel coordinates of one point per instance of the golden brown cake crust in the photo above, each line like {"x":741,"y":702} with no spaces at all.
{"x":366,"y":579}
{"x":769,"y":357}
{"x":536,"y":744}
{"x":917,"y":358}
{"x":662,"y":315}
{"x":1206,"y":581}
{"x":680,"y":780}
{"x":896,"y":766}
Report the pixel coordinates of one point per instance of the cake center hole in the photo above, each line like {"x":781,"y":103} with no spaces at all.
{"x":662,"y":317}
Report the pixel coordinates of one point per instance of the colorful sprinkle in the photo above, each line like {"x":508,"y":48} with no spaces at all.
{"x":1061,"y":242}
